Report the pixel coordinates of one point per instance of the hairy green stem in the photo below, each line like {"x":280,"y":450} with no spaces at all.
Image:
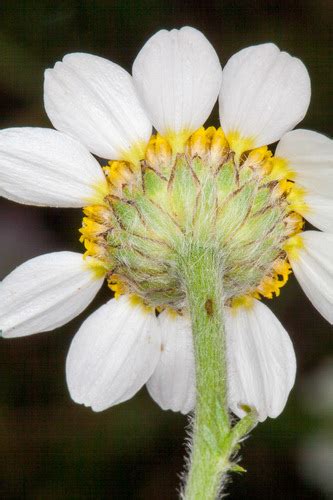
{"x":214,"y":440}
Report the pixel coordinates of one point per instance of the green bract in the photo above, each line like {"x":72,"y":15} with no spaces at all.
{"x":158,"y":210}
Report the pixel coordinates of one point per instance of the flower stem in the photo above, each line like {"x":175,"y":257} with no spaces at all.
{"x":214,"y":440}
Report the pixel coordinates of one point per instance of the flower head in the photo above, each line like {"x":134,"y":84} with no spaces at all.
{"x":219,"y":188}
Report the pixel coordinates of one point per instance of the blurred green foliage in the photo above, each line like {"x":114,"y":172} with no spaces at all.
{"x":51,"y":448}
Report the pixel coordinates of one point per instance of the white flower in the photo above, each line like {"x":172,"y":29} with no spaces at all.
{"x":97,"y":107}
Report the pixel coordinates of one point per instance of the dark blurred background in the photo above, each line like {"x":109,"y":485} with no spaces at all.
{"x":54,"y":449}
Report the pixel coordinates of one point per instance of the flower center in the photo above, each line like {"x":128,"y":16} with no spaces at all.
{"x":204,"y":195}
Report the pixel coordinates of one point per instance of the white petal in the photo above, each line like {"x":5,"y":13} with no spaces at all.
{"x":310,"y":157}
{"x":320,"y":211}
{"x":178,"y":75}
{"x":95,"y":101}
{"x":313,"y":268}
{"x":261,"y":361}
{"x":172,"y":384}
{"x":112,"y":355}
{"x":45,"y":167}
{"x":45,"y":292}
{"x":264,"y":93}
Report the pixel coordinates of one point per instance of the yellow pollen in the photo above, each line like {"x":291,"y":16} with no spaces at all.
{"x":91,"y":229}
{"x":272,"y":283}
{"x":115,"y":284}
